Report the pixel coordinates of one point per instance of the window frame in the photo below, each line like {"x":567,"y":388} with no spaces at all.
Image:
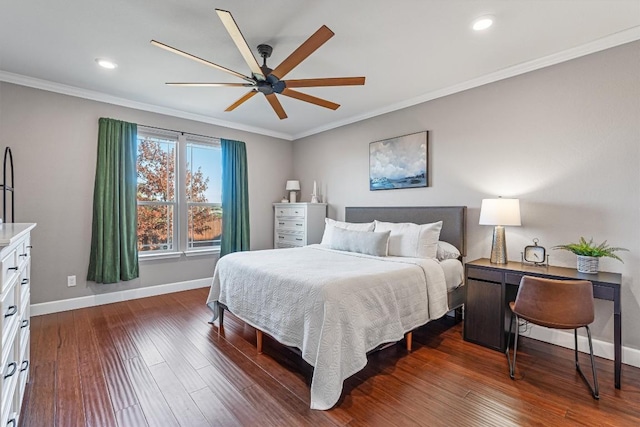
{"x":181,"y":204}
{"x":201,"y":141}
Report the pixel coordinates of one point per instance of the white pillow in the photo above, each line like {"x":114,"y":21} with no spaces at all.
{"x":364,"y":242}
{"x":412,"y":240}
{"x":446,"y":251}
{"x":330,"y":223}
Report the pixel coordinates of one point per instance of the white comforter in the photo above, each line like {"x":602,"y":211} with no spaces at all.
{"x":334,"y":306}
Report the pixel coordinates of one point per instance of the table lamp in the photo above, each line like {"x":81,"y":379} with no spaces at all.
{"x":500,"y":213}
{"x":292,"y":187}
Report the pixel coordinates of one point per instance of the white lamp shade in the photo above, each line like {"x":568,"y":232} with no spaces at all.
{"x":500,"y":212}
{"x":293,"y":185}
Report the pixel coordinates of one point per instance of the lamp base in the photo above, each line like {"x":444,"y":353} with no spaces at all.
{"x":498,"y":246}
{"x":292,"y":196}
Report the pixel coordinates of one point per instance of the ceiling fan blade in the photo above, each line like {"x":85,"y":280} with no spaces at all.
{"x":311,"y":99}
{"x":237,"y":37}
{"x":241,"y":100}
{"x":334,"y":81}
{"x":318,"y":38}
{"x":200,"y":60}
{"x":194,"y":84}
{"x":277,"y":107}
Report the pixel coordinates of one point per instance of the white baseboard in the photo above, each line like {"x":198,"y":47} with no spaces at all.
{"x":630,"y":356}
{"x":108,"y":298}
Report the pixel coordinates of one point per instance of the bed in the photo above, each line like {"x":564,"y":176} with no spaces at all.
{"x":335,"y":306}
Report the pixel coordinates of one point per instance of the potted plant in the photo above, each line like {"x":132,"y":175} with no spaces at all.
{"x":589,"y":253}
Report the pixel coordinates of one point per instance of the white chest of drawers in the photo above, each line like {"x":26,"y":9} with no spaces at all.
{"x":298,"y":224}
{"x":15,"y":277}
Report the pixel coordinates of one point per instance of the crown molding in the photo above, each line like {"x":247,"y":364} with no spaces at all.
{"x":613,"y":40}
{"x":49,"y":86}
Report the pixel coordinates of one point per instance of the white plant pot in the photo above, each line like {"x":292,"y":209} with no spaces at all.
{"x":588,"y":264}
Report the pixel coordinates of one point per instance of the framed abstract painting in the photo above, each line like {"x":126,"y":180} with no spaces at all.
{"x":399,"y":162}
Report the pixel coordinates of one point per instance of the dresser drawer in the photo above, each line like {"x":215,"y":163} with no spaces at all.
{"x":24,"y":283}
{"x":482,"y":274}
{"x":24,"y":322}
{"x":23,"y":251}
{"x":280,"y":212}
{"x":9,"y":374}
{"x":290,"y":224}
{"x":9,"y":268}
{"x":290,"y":212}
{"x":294,"y":239}
{"x":282,"y":245}
{"x":9,"y":315}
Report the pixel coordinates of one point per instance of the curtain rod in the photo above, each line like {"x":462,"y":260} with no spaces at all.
{"x":178,"y":131}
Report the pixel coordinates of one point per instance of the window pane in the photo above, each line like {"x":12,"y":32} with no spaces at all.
{"x":155,"y":228}
{"x":156,"y":169}
{"x":204,"y":173}
{"x":205,"y":226}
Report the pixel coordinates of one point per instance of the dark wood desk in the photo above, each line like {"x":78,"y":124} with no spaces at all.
{"x":490,"y":288}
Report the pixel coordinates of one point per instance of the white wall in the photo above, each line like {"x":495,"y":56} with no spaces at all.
{"x":565,"y":140}
{"x":53,"y":138}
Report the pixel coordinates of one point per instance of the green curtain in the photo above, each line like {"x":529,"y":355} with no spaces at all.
{"x":114,"y":250}
{"x":235,"y":198}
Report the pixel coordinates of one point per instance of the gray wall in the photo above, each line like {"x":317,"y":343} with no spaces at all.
{"x":53,"y":138}
{"x":564,"y":139}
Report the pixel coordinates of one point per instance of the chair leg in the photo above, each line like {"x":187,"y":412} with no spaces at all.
{"x":512,"y":365}
{"x":594,"y":389}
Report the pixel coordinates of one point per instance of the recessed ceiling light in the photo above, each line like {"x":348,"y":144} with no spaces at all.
{"x":482,"y":23}
{"x":105,"y":63}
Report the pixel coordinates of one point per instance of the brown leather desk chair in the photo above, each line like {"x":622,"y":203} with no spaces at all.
{"x":556,"y":304}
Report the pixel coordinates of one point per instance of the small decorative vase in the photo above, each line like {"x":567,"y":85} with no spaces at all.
{"x":588,"y":264}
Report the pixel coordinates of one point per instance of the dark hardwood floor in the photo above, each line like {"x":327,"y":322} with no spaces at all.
{"x":157,"y":362}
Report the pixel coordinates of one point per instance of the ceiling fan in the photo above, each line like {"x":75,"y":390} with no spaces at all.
{"x":265,"y":80}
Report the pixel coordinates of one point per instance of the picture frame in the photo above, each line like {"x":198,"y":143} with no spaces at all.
{"x":399,"y":162}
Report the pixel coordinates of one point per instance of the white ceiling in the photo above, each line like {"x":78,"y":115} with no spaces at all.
{"x":409,"y":50}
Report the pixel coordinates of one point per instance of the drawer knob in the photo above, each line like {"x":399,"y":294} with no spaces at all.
{"x":25,"y":323}
{"x":281,"y":223}
{"x":29,"y":247}
{"x":11,"y":422}
{"x":280,"y":237}
{"x":24,"y":366}
{"x":13,"y":309}
{"x":299,"y":225}
{"x":298,"y":239}
{"x":23,"y":255}
{"x":13,"y":268}
{"x":24,"y":281}
{"x":13,"y":366}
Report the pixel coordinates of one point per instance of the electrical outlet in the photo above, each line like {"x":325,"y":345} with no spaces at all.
{"x":71,"y":281}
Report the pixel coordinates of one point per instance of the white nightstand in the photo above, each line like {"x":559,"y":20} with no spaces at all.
{"x":298,"y":224}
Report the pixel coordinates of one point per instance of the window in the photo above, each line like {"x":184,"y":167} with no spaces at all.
{"x":204,"y":195}
{"x":179,"y":192}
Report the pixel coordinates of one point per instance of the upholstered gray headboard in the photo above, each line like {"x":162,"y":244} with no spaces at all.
{"x":454,"y":219}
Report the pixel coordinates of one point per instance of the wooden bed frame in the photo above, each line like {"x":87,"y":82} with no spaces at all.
{"x":454,"y":220}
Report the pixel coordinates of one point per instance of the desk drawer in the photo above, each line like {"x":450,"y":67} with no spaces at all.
{"x":513,"y":278}
{"x":603,"y":292}
{"x":482,"y":274}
